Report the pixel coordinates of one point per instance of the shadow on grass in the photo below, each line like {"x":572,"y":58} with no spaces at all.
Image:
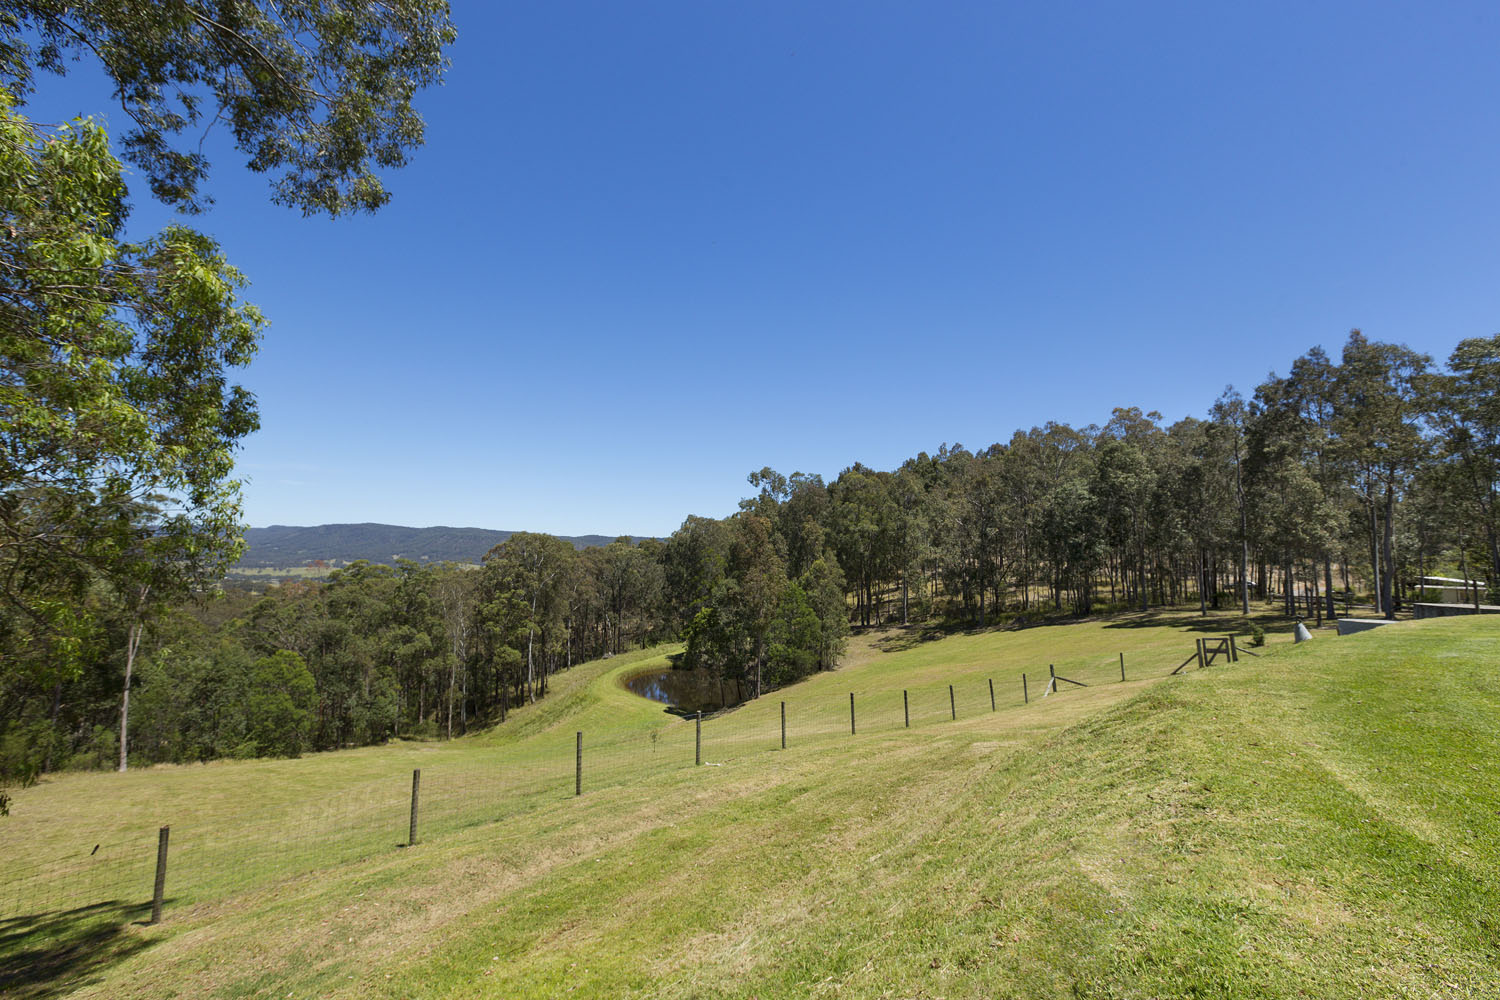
{"x":52,"y":954}
{"x":898,"y":638}
{"x":1217,"y":622}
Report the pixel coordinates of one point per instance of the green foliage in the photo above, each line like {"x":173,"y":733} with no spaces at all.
{"x":317,"y":93}
{"x":118,"y":421}
{"x":279,"y":704}
{"x":1257,"y":636}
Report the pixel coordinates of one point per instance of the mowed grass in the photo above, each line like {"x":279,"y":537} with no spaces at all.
{"x":1321,"y":821}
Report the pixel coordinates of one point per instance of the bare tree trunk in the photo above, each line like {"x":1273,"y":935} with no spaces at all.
{"x":132,"y":643}
{"x":530,"y":671}
{"x":452,"y":678}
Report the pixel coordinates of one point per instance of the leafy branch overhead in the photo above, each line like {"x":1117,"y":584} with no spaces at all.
{"x":317,"y":93}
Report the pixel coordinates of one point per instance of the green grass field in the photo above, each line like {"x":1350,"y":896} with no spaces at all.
{"x":1320,"y":821}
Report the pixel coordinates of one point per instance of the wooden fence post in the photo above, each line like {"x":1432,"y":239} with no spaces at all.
{"x":698,"y":739}
{"x":416,"y":786}
{"x":851,"y":713}
{"x":1234,"y":650}
{"x":992,"y":694}
{"x":159,"y":893}
{"x":1052,"y":684}
{"x":1122,"y":668}
{"x":952,"y":706}
{"x":906,"y":708}
{"x":783,"y":725}
{"x":578,"y":768}
{"x":1025,"y":695}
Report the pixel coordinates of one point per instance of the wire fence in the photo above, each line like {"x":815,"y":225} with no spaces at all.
{"x":208,"y":860}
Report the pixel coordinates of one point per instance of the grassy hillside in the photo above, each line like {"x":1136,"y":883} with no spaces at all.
{"x":1320,"y":821}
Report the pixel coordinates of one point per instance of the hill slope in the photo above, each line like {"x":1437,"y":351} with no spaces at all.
{"x":284,"y":546}
{"x":1322,"y":821}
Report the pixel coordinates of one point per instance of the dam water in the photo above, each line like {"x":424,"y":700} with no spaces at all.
{"x":687,"y":691}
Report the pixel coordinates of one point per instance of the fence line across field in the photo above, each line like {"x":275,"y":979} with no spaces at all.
{"x":202,"y":861}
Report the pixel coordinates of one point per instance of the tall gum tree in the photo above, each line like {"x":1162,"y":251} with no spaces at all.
{"x":118,"y":419}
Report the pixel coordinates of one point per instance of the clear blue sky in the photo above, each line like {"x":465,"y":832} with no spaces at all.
{"x":651,"y":247}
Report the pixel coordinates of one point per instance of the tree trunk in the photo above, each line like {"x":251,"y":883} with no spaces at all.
{"x":52,"y":730}
{"x":1202,"y":595}
{"x":530,"y":670}
{"x":1140,"y":561}
{"x":132,"y":643}
{"x":1387,"y":597}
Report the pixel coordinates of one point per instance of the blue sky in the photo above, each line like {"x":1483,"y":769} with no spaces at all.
{"x":651,"y":247}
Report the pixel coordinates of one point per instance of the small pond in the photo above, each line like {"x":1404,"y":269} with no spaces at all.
{"x":686,"y":691}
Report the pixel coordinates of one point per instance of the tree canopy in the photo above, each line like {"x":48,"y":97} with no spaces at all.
{"x":317,"y":93}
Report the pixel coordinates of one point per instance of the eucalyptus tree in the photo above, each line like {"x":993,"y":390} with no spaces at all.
{"x":631,"y":585}
{"x":823,"y":583}
{"x":1378,"y":413}
{"x":694,"y":562}
{"x":118,"y":418}
{"x":973,"y":525}
{"x":1125,"y":484}
{"x":1311,"y":387}
{"x":1466,"y":407}
{"x":759,"y":572}
{"x":1230,"y":415}
{"x":523,"y":594}
{"x":317,"y":93}
{"x":862,"y":517}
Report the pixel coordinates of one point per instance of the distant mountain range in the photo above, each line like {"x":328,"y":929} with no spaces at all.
{"x":284,"y":546}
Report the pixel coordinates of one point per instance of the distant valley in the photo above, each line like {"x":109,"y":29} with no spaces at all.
{"x":289,"y":550}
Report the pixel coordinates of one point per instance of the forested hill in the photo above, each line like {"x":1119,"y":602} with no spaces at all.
{"x":284,"y":546}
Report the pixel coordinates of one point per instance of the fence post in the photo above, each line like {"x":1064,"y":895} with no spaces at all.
{"x":1025,"y":695}
{"x":851,"y":713}
{"x":1122,"y":668}
{"x":1234,"y":650}
{"x":578,"y":768}
{"x":1052,"y":684}
{"x":1202,"y":660}
{"x":416,"y":786}
{"x":992,"y":694}
{"x":952,"y":706}
{"x":698,"y":739}
{"x":906,"y":708}
{"x":160,"y":891}
{"x":783,"y":725}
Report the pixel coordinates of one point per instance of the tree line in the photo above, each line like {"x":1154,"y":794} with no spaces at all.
{"x":1341,"y":477}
